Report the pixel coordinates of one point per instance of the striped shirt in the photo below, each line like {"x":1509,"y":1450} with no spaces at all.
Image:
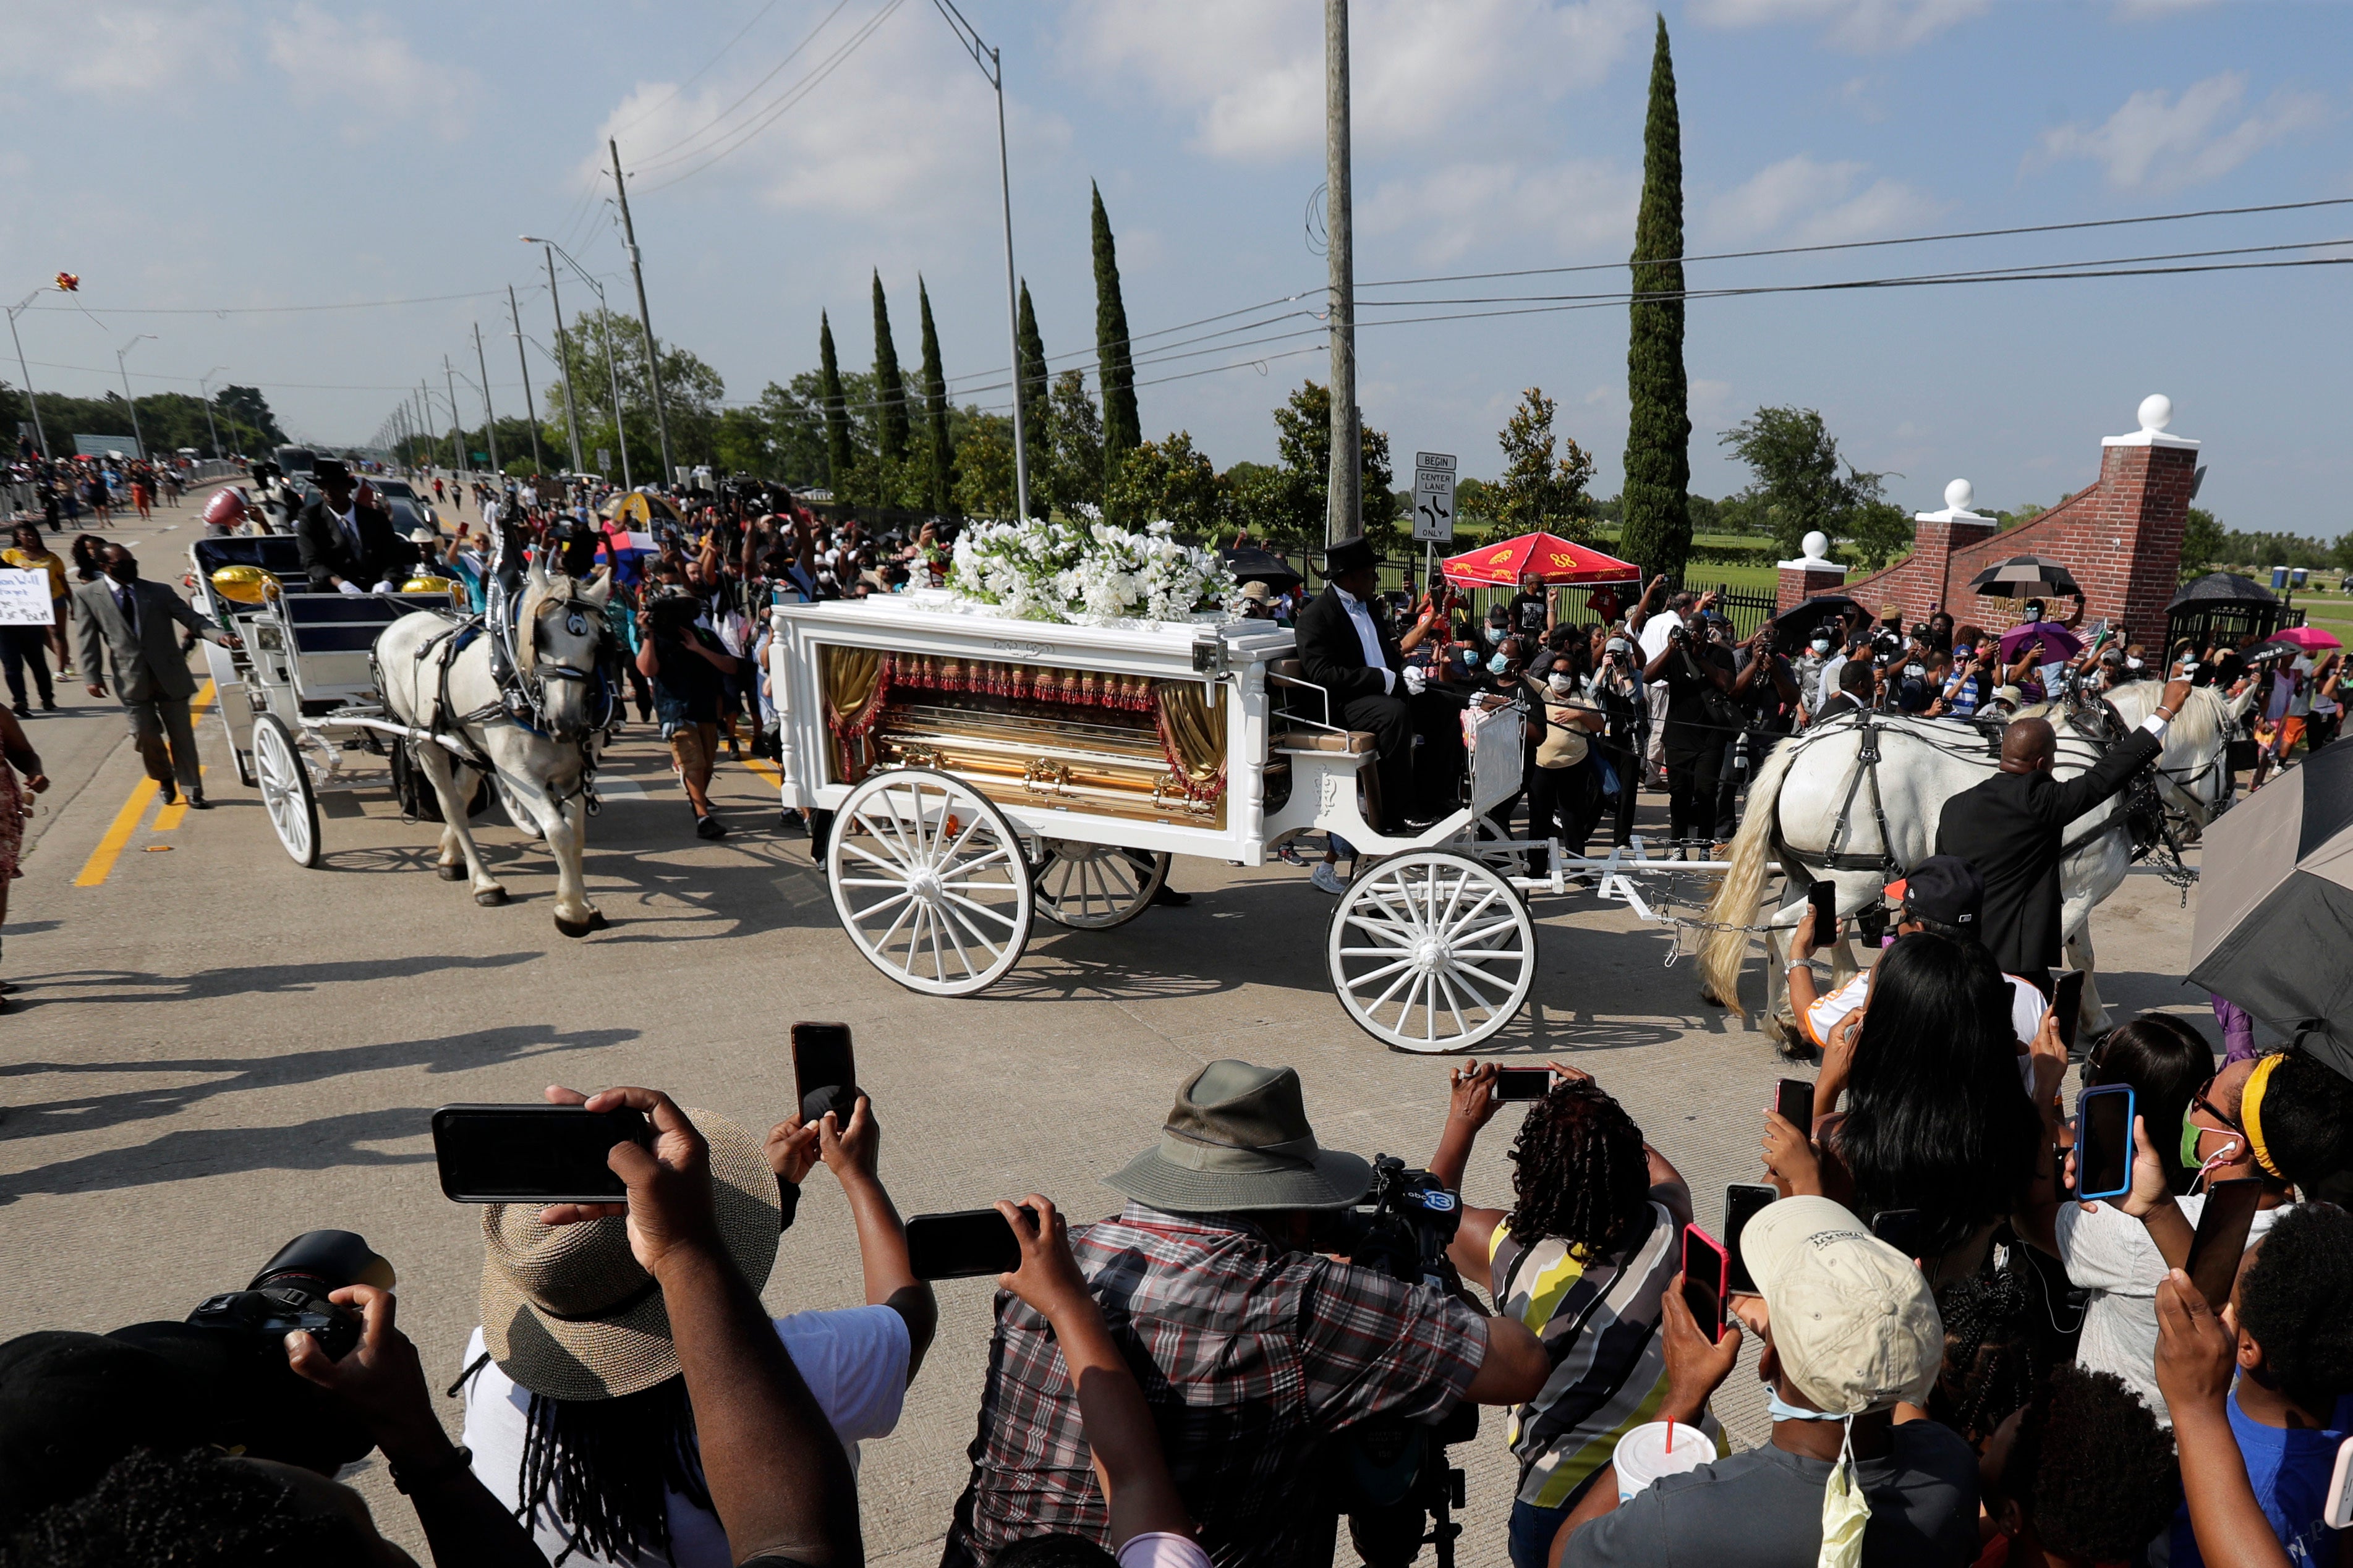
{"x":1599,"y":1323}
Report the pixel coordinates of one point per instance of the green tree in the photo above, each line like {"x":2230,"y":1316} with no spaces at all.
{"x":1656,"y":531}
{"x":836,"y":417}
{"x":1036,"y":415}
{"x":1074,"y":475}
{"x":1799,"y":483}
{"x":940,"y":475}
{"x":692,"y":393}
{"x":890,"y":386}
{"x":796,"y":420}
{"x":1123,"y":428}
{"x":2201,"y":542}
{"x":1284,"y":505}
{"x":1540,"y":490}
{"x":2024,"y":514}
{"x":1174,"y":480}
{"x":984,"y":465}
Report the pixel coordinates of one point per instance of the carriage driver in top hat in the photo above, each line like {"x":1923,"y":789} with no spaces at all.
{"x":1345,"y":649}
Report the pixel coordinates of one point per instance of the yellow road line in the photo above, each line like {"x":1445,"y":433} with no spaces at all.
{"x":95,"y":870}
{"x":169,"y":817}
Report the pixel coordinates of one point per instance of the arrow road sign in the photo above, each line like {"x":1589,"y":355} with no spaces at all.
{"x":1433,"y":497}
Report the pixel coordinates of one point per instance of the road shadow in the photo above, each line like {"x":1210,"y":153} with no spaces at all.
{"x":108,"y":985}
{"x":328,"y":1143}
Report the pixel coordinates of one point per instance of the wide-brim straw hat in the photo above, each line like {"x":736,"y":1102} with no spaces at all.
{"x":1237,"y":1140}
{"x":568,"y":1312}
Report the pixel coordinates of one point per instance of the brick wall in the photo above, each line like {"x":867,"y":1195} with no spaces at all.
{"x":2121,"y":539}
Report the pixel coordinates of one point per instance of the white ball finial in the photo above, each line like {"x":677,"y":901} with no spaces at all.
{"x":2156,"y":411}
{"x":1816,"y":544}
{"x":1960,"y":495}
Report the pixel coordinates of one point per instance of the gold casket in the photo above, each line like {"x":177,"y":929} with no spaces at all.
{"x":1030,"y":734}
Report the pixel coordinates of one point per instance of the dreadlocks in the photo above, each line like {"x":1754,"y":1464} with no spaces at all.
{"x":1581,"y":1174}
{"x":1994,"y":1359}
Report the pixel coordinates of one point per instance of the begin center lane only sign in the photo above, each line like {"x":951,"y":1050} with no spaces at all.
{"x":1433,"y":497}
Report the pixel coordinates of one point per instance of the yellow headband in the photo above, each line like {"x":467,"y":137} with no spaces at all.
{"x":2251,"y":1112}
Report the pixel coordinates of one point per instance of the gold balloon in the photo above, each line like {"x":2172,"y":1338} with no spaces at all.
{"x":244,"y":584}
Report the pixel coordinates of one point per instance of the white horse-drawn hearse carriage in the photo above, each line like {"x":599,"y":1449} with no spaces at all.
{"x":976,"y":771}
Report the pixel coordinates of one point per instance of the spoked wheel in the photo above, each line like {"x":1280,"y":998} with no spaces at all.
{"x":929,"y":880}
{"x":1094,"y":887}
{"x":1491,"y":847}
{"x":285,"y":785}
{"x":1432,"y":950}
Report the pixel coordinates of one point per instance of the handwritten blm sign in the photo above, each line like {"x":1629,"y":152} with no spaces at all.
{"x":24,"y":599}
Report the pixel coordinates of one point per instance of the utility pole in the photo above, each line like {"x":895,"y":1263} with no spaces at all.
{"x":530,"y":409}
{"x":1343,"y":510}
{"x":456,"y":427}
{"x":490,"y":416}
{"x":645,"y":319}
{"x":138,"y":438}
{"x":564,"y":363}
{"x":204,"y":384}
{"x":32,"y":399}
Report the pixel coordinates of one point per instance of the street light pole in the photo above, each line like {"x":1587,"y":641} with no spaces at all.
{"x":604,"y":327}
{"x":1344,"y":511}
{"x":645,"y":320}
{"x":137,"y":435}
{"x":530,"y":409}
{"x":204,"y":384}
{"x":490,"y":415}
{"x":563,"y":358}
{"x":992,"y":66}
{"x":31,"y":398}
{"x":456,"y":425}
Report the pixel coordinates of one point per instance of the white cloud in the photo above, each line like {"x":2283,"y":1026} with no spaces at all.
{"x":2160,"y":140}
{"x":1449,"y":212}
{"x":114,"y":51}
{"x":367,"y":74}
{"x":1865,"y":27}
{"x":1811,"y":203}
{"x":1251,"y":74}
{"x":2142,"y":10}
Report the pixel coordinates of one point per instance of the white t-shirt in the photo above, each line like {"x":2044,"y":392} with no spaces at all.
{"x":854,"y":1361}
{"x":2026,"y":1009}
{"x":1158,"y":1549}
{"x":2108,"y":1253}
{"x":1654,"y":633}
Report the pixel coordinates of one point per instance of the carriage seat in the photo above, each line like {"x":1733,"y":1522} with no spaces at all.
{"x":1307,"y":714}
{"x":1355,"y":743}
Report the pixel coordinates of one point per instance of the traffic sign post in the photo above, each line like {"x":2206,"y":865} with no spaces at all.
{"x":1433,"y":507}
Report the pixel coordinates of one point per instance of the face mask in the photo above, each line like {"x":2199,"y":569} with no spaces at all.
{"x":2032,"y":615}
{"x":1563,"y":686}
{"x":1783,"y":1411}
{"x":2223,"y":1156}
{"x":1820,"y":645}
{"x":1500,"y":663}
{"x":1494,"y":634}
{"x":1915,"y":672}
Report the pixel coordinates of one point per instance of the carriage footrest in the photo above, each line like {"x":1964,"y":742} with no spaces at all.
{"x":1356,"y":742}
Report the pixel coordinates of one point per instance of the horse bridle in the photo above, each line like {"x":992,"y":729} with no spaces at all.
{"x":533,"y":682}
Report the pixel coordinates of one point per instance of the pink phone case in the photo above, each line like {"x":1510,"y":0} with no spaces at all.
{"x":1692,"y":1233}
{"x":2339,"y":1513}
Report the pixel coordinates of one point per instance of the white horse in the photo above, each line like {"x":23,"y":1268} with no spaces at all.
{"x":428,"y":683}
{"x":1811,"y":801}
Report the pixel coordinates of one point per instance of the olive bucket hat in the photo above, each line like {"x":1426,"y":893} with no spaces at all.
{"x":1237,"y":1140}
{"x":567,"y":1312}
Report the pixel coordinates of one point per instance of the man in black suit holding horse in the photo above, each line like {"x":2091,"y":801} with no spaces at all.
{"x":1345,"y":649}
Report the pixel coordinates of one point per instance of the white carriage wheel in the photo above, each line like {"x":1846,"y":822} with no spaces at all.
{"x":1094,"y":887}
{"x":285,"y":782}
{"x":930,"y":881}
{"x":1432,"y":950}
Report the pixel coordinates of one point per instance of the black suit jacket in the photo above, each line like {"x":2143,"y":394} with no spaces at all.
{"x":2010,"y":828}
{"x":1333,"y":656}
{"x":327,"y":551}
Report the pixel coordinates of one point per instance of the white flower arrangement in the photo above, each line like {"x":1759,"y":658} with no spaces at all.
{"x":1089,"y":572}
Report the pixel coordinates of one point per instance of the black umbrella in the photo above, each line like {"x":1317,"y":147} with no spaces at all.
{"x":2223,"y":588}
{"x":2025,"y":577}
{"x":2275,"y":905}
{"x":1817,"y":609}
{"x":1251,"y":564}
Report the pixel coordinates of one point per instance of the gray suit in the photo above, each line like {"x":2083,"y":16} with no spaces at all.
{"x":150,"y":673}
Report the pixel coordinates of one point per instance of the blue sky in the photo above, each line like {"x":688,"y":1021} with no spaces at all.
{"x":208,"y":154}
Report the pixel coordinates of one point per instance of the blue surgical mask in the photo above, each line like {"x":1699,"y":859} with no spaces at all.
{"x":1781,"y":1410}
{"x":1494,"y":634}
{"x":1500,"y":663}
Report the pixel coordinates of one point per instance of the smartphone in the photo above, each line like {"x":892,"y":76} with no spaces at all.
{"x":961,"y":1246}
{"x":2222,"y":1239}
{"x":2067,"y":1000}
{"x":1523,"y":1083}
{"x":1741,"y":1200}
{"x":823,"y":1071}
{"x":533,"y":1154}
{"x":1704,"y":1273}
{"x":1795,"y":1100}
{"x":1824,"y":895}
{"x":2337,"y":1513}
{"x":2104,"y":1144}
{"x":1902,"y":1229}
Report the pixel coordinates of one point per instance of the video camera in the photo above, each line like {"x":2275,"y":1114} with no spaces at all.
{"x":232,"y":1350}
{"x":1390,"y":1476}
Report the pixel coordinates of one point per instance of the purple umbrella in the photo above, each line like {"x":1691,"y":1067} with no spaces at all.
{"x":2058,"y":642}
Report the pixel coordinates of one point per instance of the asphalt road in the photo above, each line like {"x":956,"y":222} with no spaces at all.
{"x":211,"y":1049}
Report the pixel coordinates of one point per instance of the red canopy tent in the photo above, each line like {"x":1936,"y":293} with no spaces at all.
{"x":1549,"y":556}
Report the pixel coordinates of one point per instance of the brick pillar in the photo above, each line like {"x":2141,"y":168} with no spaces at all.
{"x":1798,"y":584}
{"x":2133,"y":537}
{"x":1926,"y":583}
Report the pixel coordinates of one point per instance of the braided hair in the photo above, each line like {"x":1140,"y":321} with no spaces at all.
{"x":1579,"y":1173}
{"x":1994,"y":1359}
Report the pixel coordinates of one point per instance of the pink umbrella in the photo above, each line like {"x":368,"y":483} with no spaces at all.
{"x":2057,"y":641}
{"x":2306,"y":639}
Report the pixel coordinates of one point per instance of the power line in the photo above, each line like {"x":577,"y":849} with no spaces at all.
{"x":664,"y":100}
{"x":278,"y":310}
{"x":712,"y":123}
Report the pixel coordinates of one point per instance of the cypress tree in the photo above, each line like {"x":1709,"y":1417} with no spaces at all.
{"x":1037,"y":434}
{"x":837,"y":415}
{"x":935,"y":406}
{"x":1116,"y":372}
{"x":890,"y":386}
{"x":1656,"y":531}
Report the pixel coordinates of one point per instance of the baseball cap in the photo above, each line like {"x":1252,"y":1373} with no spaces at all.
{"x":1852,"y":1317}
{"x":1943,"y":888}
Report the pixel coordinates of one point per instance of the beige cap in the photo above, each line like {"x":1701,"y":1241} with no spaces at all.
{"x":1853,"y":1318}
{"x":1257,"y":592}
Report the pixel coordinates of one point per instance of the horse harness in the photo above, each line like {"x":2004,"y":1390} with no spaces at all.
{"x":442,"y":649}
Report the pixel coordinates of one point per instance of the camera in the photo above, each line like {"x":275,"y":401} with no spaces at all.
{"x":232,"y":1348}
{"x":1390,"y":1476}
{"x":671,"y":610}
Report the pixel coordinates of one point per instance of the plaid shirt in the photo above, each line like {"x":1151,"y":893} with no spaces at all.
{"x":1249,"y":1355}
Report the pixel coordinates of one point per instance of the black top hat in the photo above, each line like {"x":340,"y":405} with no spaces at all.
{"x":1349,"y":555}
{"x":326,"y":469}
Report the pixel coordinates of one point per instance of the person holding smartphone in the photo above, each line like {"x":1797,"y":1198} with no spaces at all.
{"x":1585,"y":1257}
